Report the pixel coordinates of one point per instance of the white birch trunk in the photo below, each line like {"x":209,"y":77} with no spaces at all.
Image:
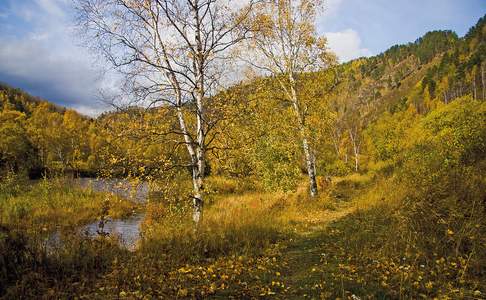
{"x":309,"y":159}
{"x":356,"y":147}
{"x":483,"y":80}
{"x":200,"y":165}
{"x":197,"y":168}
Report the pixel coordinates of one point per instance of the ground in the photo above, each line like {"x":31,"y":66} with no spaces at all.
{"x":251,"y":245}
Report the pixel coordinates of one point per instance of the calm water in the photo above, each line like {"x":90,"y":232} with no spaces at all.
{"x":123,"y":188}
{"x":126,"y":230}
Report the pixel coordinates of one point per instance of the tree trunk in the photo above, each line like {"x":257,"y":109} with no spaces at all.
{"x":309,"y":158}
{"x":197,"y":179}
{"x":197,"y":154}
{"x":194,"y":148}
{"x":200,"y":165}
{"x":199,"y":168}
{"x":356,"y":147}
{"x":475,"y":96}
{"x":311,"y":167}
{"x":483,"y":80}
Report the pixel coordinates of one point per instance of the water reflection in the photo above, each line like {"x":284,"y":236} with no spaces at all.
{"x":126,"y":230}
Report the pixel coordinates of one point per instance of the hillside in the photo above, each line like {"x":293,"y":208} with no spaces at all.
{"x":436,"y":68}
{"x":344,"y":102}
{"x":16,"y":99}
{"x":38,"y":137}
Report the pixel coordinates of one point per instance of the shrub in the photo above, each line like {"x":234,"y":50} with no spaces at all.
{"x":443,"y":170}
{"x":337,"y":168}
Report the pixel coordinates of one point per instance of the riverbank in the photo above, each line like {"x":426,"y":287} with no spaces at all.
{"x":57,"y":203}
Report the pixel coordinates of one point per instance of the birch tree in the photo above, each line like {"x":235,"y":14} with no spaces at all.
{"x":355,"y":127}
{"x":287,"y":45}
{"x":170,"y":53}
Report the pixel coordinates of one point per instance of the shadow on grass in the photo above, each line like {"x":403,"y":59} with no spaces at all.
{"x":365,"y":255}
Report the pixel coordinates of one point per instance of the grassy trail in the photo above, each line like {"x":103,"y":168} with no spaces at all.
{"x":303,"y":231}
{"x":303,"y":255}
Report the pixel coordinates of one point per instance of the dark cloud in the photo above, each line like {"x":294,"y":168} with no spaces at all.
{"x":42,"y":57}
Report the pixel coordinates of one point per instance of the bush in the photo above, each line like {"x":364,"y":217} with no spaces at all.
{"x":443,"y":169}
{"x":337,"y":168}
{"x":277,"y":165}
{"x":11,"y":184}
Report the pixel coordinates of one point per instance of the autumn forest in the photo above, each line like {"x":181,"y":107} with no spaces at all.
{"x":241,"y":159}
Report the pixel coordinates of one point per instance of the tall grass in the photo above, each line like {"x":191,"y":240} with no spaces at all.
{"x":237,"y":224}
{"x":29,"y":271}
{"x":52,"y":203}
{"x":30,"y":213}
{"x":393,"y":245}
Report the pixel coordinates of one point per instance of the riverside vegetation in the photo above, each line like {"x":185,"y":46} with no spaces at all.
{"x":399,"y":146}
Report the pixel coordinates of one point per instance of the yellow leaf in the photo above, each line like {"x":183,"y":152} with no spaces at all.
{"x":182,"y":293}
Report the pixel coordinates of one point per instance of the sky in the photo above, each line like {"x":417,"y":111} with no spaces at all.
{"x":40,"y":52}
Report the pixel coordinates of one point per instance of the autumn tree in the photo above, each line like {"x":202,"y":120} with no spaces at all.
{"x":286,"y":45}
{"x":15,"y":147}
{"x":46,"y":130}
{"x":171,"y":53}
{"x":76,"y":139}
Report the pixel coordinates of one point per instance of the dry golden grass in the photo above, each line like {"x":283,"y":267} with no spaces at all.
{"x":272,"y":245}
{"x":55,"y":203}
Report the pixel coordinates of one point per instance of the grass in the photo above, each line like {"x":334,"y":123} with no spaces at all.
{"x":358,"y":256}
{"x":29,"y":213}
{"x":260,"y":245}
{"x":55,"y":203}
{"x":224,"y":186}
{"x":365,"y":252}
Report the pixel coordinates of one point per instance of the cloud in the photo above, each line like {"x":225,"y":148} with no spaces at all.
{"x":40,"y":55}
{"x":66,"y":77}
{"x":346,"y":44}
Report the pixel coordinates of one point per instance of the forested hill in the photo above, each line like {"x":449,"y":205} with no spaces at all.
{"x":343,"y":101}
{"x":345,"y":105}
{"x":452,"y":65}
{"x":37,"y":136}
{"x":16,"y":99}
